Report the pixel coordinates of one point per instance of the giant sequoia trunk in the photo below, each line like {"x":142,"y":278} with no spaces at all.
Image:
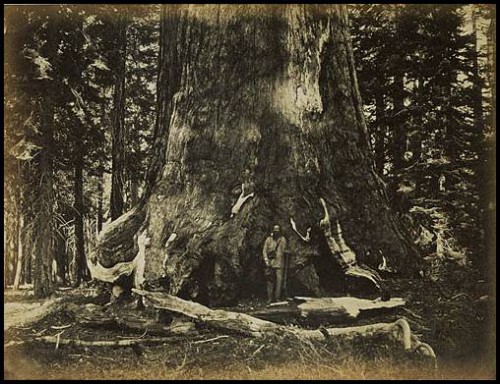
{"x":260,"y":98}
{"x":118,"y":121}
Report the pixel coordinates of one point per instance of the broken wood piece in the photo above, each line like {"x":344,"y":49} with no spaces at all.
{"x":351,"y":306}
{"x":101,"y":343}
{"x":383,"y":266}
{"x":405,"y":330}
{"x":240,"y":323}
{"x":212,"y":339}
{"x":58,"y":339}
{"x":426,"y":350}
{"x":307,"y":237}
{"x":252,"y":326}
{"x":110,"y":275}
{"x":370,"y":329}
{"x":241,"y":200}
{"x":13,"y":343}
{"x":61,"y":326}
{"x":143,"y":241}
{"x":326,"y":308}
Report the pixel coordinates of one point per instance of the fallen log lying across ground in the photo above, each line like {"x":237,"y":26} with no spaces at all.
{"x":326,"y":308}
{"x":128,"y":317}
{"x":248,"y":325}
{"x":102,"y":343}
{"x":57,"y":340}
{"x":241,"y":323}
{"x":235,"y":322}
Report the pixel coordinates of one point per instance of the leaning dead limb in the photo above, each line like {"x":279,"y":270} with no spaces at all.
{"x":241,"y":200}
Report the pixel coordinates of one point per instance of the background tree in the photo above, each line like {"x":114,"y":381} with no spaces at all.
{"x":436,"y":166}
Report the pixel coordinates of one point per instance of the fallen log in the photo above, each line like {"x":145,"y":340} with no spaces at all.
{"x":245,"y":324}
{"x":99,"y":343}
{"x":139,"y":320}
{"x":234,"y":322}
{"x":326,"y":308}
{"x":242,"y":323}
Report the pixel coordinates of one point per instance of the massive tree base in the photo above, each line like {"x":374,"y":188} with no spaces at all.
{"x":260,"y":121}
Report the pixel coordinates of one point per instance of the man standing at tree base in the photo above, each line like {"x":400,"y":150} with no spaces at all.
{"x":274,"y":257}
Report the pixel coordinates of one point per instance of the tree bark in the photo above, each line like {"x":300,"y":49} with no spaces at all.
{"x":44,"y":241}
{"x":380,"y":134}
{"x":400,"y":129}
{"x":118,"y":121}
{"x":81,"y":260}
{"x":12,"y":256}
{"x":262,"y":98}
{"x":27,"y":260}
{"x":172,"y":35}
{"x":20,"y":256}
{"x":100,"y":199}
{"x":134,"y":179}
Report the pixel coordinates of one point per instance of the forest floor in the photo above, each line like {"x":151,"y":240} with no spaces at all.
{"x":455,"y":318}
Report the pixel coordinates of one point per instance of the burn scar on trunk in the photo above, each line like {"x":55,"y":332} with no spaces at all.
{"x":344,"y":255}
{"x":143,"y":241}
{"x":383,"y":265}
{"x":135,"y":266}
{"x":307,"y":237}
{"x":241,"y":200}
{"x":168,"y":244}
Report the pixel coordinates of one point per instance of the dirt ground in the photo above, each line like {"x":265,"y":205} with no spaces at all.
{"x":455,"y":318}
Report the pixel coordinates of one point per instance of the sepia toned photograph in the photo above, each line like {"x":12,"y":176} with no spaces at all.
{"x":253,"y":191}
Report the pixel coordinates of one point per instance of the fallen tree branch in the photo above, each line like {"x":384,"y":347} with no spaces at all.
{"x":331,"y":308}
{"x":101,"y":343}
{"x":61,"y":326}
{"x":252,"y":326}
{"x":229,"y":321}
{"x":212,"y":339}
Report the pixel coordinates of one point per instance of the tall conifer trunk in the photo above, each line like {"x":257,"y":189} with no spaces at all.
{"x":263,"y":98}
